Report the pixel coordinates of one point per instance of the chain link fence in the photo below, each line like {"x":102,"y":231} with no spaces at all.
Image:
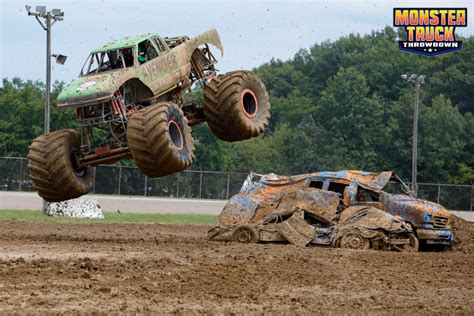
{"x":129,"y":180}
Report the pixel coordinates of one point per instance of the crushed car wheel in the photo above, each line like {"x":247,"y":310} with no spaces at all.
{"x":160,"y":140}
{"x":53,"y":169}
{"x":237,"y":106}
{"x":246,"y":234}
{"x":354,"y":241}
{"x":414,"y":244}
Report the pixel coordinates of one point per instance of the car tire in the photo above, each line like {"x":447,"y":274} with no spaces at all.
{"x":160,"y":140}
{"x":246,"y":234}
{"x":355,"y":241}
{"x":53,"y":170}
{"x":237,"y":106}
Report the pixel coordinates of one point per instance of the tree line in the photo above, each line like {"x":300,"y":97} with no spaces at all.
{"x":336,"y":105}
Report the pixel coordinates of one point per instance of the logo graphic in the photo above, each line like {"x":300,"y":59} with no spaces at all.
{"x":430,"y":31}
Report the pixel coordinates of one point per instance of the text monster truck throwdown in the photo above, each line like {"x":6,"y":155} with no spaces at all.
{"x":130,"y":100}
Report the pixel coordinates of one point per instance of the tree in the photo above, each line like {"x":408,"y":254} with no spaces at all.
{"x":349,"y":121}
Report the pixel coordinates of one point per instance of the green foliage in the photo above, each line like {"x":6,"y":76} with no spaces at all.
{"x":22,"y":113}
{"x":336,"y":105}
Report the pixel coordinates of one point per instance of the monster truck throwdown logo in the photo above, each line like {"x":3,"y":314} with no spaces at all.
{"x":430,"y":31}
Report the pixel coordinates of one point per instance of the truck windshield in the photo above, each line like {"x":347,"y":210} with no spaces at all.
{"x":108,"y":60}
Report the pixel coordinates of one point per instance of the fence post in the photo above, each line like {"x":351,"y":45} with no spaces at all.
{"x":228,"y":184}
{"x":21,"y":174}
{"x":177,"y":185}
{"x":472,"y":196}
{"x":200,"y":184}
{"x":146,"y":186}
{"x":120,"y":179}
{"x":95,"y":179}
{"x":439,"y":192}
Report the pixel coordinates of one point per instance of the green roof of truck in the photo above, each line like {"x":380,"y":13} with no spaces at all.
{"x":123,"y":42}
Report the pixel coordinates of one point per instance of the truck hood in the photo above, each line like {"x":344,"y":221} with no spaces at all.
{"x":91,"y":89}
{"x":428,"y":212}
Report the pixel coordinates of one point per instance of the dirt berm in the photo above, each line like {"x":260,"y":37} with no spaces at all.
{"x":95,"y":267}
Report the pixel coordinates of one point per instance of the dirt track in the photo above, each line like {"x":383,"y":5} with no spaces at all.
{"x":172,"y":268}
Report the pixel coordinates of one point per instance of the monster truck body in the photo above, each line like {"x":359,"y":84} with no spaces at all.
{"x":131,"y":101}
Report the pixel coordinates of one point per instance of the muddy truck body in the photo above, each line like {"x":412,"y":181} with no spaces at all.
{"x":132,"y":100}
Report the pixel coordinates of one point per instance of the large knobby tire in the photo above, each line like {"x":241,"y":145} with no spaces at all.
{"x":160,"y":140}
{"x":53,"y":169}
{"x":236,"y":106}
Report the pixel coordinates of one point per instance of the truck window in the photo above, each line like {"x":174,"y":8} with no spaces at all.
{"x":146,"y":51}
{"x":364,"y":195}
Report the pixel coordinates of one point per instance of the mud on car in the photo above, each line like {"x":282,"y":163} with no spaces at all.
{"x":132,"y":101}
{"x":280,"y":209}
{"x":331,"y":204}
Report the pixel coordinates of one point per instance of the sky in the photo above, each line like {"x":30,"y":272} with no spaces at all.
{"x":251,"y":32}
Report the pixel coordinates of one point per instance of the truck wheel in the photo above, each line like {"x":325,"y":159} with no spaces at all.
{"x":236,"y":106}
{"x":246,"y":234}
{"x":354,"y":241}
{"x":53,"y":169}
{"x":160,"y":140}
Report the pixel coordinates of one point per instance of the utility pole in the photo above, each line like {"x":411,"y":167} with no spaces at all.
{"x":50,"y":17}
{"x":416,"y":81}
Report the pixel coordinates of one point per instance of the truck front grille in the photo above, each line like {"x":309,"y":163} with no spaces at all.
{"x":440,"y":221}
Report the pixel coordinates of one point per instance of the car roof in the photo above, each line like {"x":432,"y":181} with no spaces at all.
{"x":374,"y":180}
{"x":128,"y":41}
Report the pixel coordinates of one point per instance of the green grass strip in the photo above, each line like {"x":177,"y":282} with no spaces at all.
{"x":112,"y":218}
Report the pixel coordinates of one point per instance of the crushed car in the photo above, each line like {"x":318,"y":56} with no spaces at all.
{"x":334,"y":204}
{"x":279,"y":209}
{"x":132,"y":99}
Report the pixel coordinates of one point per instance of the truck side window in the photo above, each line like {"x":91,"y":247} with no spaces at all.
{"x":146,"y":51}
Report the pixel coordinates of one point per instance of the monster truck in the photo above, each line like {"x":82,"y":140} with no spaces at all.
{"x":132,"y":101}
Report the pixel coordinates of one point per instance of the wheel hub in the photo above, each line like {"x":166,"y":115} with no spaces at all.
{"x":249,"y":104}
{"x":354,"y":241}
{"x":176,"y":135}
{"x":243,"y":236}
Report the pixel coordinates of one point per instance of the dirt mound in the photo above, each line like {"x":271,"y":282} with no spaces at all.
{"x":464,"y":234}
{"x":152,"y":268}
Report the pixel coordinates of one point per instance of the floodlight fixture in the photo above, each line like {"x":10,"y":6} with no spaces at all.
{"x":41,"y":9}
{"x":60,"y":59}
{"x":57,"y":12}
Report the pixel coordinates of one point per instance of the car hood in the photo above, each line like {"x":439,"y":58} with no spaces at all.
{"x":91,"y":89}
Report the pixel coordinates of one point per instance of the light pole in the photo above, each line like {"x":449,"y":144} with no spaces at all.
{"x":416,"y":81}
{"x":50,"y":17}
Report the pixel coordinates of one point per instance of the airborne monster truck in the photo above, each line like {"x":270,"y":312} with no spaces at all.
{"x":130,"y":100}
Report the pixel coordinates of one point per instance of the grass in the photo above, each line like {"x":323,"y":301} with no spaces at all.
{"x":112,"y":218}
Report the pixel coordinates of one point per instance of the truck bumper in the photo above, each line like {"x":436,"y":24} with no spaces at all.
{"x":435,"y":236}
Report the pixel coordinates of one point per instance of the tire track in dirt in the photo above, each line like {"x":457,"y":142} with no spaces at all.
{"x":100,"y":267}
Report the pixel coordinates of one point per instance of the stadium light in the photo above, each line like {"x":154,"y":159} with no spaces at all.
{"x":50,"y":17}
